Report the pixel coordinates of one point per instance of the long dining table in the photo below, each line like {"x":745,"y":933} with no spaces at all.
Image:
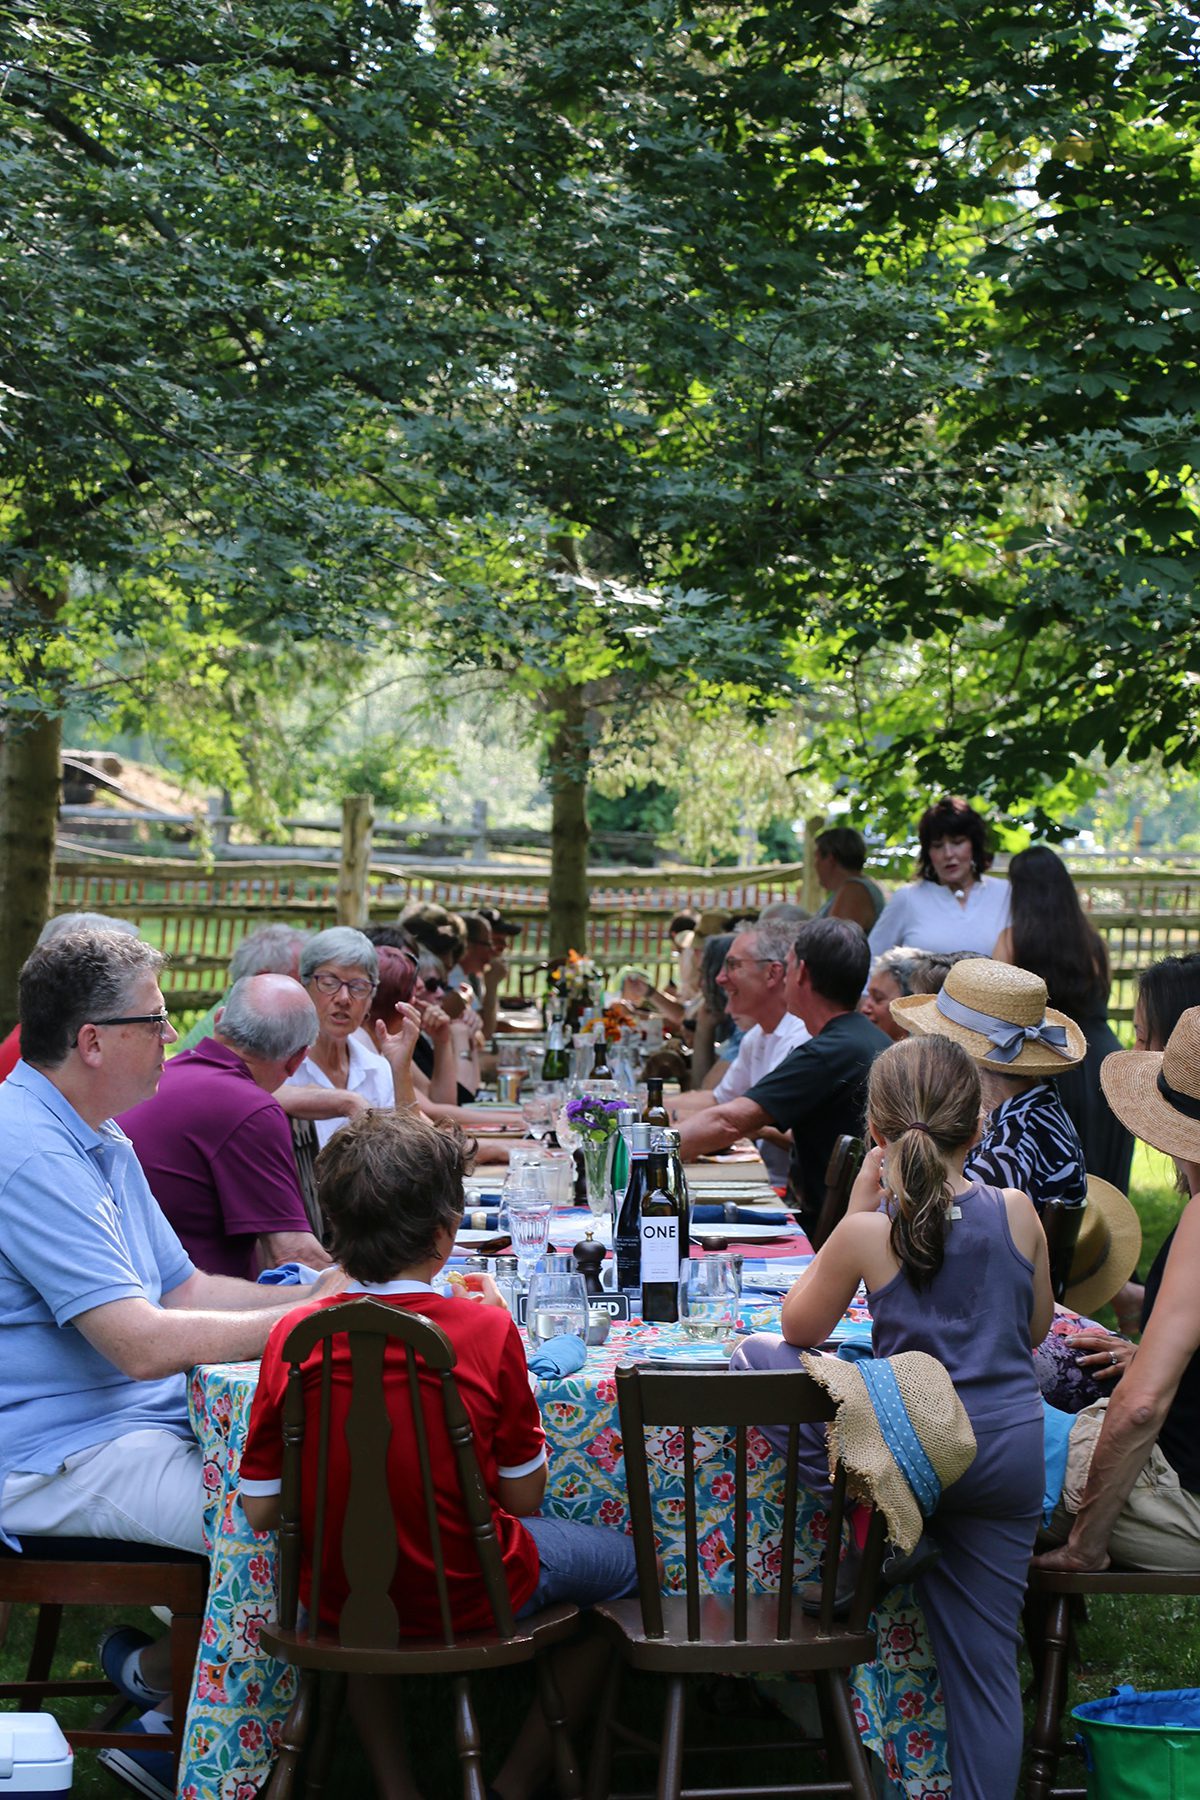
{"x":240,"y":1696}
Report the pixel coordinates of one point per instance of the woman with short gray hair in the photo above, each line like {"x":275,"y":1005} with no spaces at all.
{"x":339,"y":970}
{"x":893,"y":975}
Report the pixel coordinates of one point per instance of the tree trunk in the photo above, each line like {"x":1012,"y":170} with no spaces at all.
{"x":30,"y":778}
{"x":30,"y":786}
{"x":358,"y":819}
{"x":810,"y":892}
{"x":569,"y":755}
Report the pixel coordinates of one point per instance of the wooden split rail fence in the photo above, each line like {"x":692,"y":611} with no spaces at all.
{"x":197,"y":917}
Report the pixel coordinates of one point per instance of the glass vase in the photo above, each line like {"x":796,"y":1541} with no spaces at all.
{"x":597,"y":1173}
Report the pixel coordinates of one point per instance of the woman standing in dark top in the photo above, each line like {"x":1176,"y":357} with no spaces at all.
{"x":1133,"y":1467}
{"x":1050,"y":934}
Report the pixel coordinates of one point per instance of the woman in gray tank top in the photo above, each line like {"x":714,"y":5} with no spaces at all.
{"x":959,"y":1271}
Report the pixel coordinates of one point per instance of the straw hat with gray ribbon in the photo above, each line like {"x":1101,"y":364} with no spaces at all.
{"x":1156,"y":1093}
{"x":901,"y":1433}
{"x":999,"y":1015}
{"x":1110,"y":1242}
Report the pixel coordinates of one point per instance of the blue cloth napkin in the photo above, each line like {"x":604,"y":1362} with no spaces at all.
{"x":289,"y":1275}
{"x":557,"y":1357}
{"x":745,"y":1215}
{"x":1058,"y":1436}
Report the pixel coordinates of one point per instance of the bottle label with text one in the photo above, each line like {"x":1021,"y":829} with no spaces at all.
{"x":660,"y":1248}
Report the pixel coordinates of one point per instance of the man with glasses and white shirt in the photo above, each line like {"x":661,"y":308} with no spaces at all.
{"x":753,"y":977}
{"x":102,"y":1312}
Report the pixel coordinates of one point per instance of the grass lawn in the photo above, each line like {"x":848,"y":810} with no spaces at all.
{"x":1148,"y":1642}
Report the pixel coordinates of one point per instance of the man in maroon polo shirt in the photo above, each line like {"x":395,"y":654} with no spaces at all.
{"x":215,"y":1143}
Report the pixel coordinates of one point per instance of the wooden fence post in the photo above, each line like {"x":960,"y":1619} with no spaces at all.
{"x":357,"y":821}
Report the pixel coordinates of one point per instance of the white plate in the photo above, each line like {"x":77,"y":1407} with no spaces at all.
{"x":468,"y":1237}
{"x":745,"y":1234}
{"x":683,"y":1354}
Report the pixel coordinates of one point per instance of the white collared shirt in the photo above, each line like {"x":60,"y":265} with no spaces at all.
{"x":369,"y":1075}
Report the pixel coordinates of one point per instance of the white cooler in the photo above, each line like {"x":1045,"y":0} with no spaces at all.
{"x":35,"y":1757}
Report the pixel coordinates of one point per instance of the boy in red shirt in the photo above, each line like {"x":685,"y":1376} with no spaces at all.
{"x":391,"y":1186}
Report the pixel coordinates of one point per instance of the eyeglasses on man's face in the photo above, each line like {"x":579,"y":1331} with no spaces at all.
{"x":330,"y":984}
{"x":160,"y":1020}
{"x":734,"y":963}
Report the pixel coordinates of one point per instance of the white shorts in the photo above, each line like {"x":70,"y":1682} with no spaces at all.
{"x":146,"y":1487}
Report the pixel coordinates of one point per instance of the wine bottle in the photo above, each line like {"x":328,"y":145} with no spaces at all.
{"x":664,"y":1232}
{"x":627,"y":1239}
{"x":620,"y":1156}
{"x":600,"y":1068}
{"x":656,"y":1112}
{"x":677,"y":1179}
{"x":556,"y":1064}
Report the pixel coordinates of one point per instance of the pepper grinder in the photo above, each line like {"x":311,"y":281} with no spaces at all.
{"x":589,"y":1255}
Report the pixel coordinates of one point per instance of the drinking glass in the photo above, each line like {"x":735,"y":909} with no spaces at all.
{"x":568,"y":1137}
{"x":529,"y":1211}
{"x":519,"y":1157}
{"x":710,"y":1290}
{"x":557,"y":1306}
{"x":537,"y":1110}
{"x":558,"y":1175}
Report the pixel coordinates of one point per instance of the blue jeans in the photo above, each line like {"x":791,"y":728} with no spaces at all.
{"x":579,"y":1562}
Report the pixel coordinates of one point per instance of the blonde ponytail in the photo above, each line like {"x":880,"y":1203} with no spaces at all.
{"x":923,"y":1100}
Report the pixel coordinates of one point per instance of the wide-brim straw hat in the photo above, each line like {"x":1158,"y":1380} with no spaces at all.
{"x":858,"y":1442}
{"x":998,"y":1013}
{"x":1156,"y":1093}
{"x":1110,"y":1242}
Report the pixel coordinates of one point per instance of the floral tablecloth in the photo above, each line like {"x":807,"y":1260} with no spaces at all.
{"x":240,"y":1696}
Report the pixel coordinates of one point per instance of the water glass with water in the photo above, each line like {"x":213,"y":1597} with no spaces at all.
{"x":529,"y":1210}
{"x":557,"y":1306}
{"x":710,"y":1292}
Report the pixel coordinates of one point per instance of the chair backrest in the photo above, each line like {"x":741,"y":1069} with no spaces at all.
{"x":735,"y":1401}
{"x":304,"y":1149}
{"x":845,"y":1160}
{"x":368,"y":1546}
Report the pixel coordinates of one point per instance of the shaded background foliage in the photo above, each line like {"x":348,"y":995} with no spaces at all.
{"x":832,"y":360}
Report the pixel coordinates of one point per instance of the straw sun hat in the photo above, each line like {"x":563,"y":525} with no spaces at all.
{"x":999,"y":1015}
{"x":901,"y":1433}
{"x":1157,"y":1093}
{"x":1106,"y":1254}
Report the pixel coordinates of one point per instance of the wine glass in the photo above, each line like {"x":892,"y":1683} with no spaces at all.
{"x":557,"y":1306}
{"x":710,"y":1291}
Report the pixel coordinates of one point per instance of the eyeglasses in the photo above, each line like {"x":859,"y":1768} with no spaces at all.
{"x":161,"y":1019}
{"x":332,"y":984}
{"x":739,"y":962}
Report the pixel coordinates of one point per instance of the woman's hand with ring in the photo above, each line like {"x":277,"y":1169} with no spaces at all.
{"x":1101,"y":1353}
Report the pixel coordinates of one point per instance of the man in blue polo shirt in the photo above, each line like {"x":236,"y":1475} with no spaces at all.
{"x":101,"y":1310}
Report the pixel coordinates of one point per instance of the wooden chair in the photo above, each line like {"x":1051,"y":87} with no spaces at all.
{"x":369,"y":1639}
{"x":845,"y":1160}
{"x":51,"y":1573}
{"x":1055,"y":1605}
{"x":701,"y":1633}
{"x":304,"y":1149}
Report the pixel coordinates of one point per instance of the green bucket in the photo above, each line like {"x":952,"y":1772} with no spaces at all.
{"x":1141,"y":1746}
